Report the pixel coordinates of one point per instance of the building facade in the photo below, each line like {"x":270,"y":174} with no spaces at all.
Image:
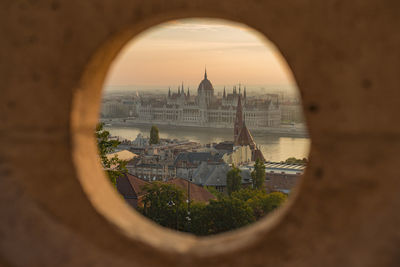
{"x":204,"y":109}
{"x":282,"y":177}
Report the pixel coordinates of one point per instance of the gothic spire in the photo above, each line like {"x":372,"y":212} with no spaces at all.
{"x":188,"y":93}
{"x":244,"y":93}
{"x":238,"y":121}
{"x":205,"y":73}
{"x":169,"y":91}
{"x":224,"y":92}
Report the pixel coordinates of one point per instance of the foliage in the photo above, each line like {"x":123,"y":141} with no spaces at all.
{"x":258,"y":174}
{"x":228,"y":214}
{"x":154,"y":138}
{"x":233,"y":180}
{"x":245,"y":194}
{"x":273,"y":200}
{"x":293,"y":160}
{"x":200,"y":221}
{"x":113,"y":166}
{"x":260,"y":202}
{"x":214,"y":191}
{"x":165,"y":204}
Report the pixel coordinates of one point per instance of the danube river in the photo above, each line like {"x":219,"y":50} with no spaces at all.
{"x":274,"y":148}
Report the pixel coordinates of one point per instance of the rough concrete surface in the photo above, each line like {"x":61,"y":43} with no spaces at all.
{"x":55,"y":208}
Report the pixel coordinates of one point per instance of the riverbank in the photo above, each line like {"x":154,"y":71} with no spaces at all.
{"x":273,"y":131}
{"x":274,"y":147}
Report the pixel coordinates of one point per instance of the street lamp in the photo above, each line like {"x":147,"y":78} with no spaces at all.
{"x":171,"y":203}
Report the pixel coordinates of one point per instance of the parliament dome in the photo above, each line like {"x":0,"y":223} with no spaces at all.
{"x":205,"y":84}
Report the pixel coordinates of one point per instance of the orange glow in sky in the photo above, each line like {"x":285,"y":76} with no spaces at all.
{"x":178,"y":51}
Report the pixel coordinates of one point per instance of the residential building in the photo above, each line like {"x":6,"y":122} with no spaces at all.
{"x":281,"y":176}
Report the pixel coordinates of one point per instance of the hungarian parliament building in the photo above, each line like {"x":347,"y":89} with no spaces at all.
{"x":205,"y":109}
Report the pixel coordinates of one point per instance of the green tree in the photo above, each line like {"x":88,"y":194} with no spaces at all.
{"x":154,"y":138}
{"x":228,"y":214}
{"x":253,"y":198}
{"x":273,"y":200}
{"x":293,"y":160}
{"x":113,"y":166}
{"x":165,"y":204}
{"x":200,"y":222}
{"x":214,"y":191}
{"x":258,"y":174}
{"x":233,"y":180}
{"x":245,"y":194}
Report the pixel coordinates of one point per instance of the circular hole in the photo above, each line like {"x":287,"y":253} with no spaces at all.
{"x":161,"y":55}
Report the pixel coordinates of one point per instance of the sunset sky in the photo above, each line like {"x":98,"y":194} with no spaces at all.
{"x":178,"y":51}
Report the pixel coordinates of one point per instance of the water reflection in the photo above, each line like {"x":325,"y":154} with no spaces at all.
{"x":274,"y":148}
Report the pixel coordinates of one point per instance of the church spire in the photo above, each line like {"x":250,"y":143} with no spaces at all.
{"x":244,"y":93}
{"x":224,"y":92}
{"x":169,"y":91}
{"x":205,"y":73}
{"x":238,"y":121}
{"x":182,"y":90}
{"x":188,"y":93}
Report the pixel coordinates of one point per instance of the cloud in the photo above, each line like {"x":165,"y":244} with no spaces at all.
{"x":180,"y":49}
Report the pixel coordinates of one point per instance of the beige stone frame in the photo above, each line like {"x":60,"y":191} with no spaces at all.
{"x":54,"y":57}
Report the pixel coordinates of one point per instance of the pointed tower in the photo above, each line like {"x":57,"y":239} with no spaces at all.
{"x":244,"y":137}
{"x":205,"y":73}
{"x":188,"y":93}
{"x":238,"y":122}
{"x":182,"y":90}
{"x":239,"y":89}
{"x":169,"y":92}
{"x":224,"y":93}
{"x":179,"y":90}
{"x":244,"y":93}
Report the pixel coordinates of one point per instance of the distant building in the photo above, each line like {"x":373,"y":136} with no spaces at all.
{"x":214,"y":175}
{"x":187,"y":162}
{"x":281,"y":176}
{"x":131,"y":188}
{"x":116,"y":108}
{"x":123,"y":155}
{"x":292,"y":112}
{"x":242,"y":135}
{"x":141,"y":141}
{"x":152,"y":171}
{"x":238,"y":156}
{"x":204,"y":109}
{"x":194,"y":192}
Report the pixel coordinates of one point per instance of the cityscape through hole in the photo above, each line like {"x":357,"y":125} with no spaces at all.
{"x":201,"y":127}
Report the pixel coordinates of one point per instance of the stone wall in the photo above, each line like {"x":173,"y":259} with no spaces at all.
{"x":57,"y":208}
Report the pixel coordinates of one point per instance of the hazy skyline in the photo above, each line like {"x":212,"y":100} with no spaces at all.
{"x":178,"y":51}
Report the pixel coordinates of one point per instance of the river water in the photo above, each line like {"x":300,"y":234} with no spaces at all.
{"x":274,"y":148}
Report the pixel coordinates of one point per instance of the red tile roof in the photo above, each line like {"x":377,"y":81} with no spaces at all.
{"x":257,"y":154}
{"x":245,"y":138}
{"x":137,"y":184}
{"x":197,"y":193}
